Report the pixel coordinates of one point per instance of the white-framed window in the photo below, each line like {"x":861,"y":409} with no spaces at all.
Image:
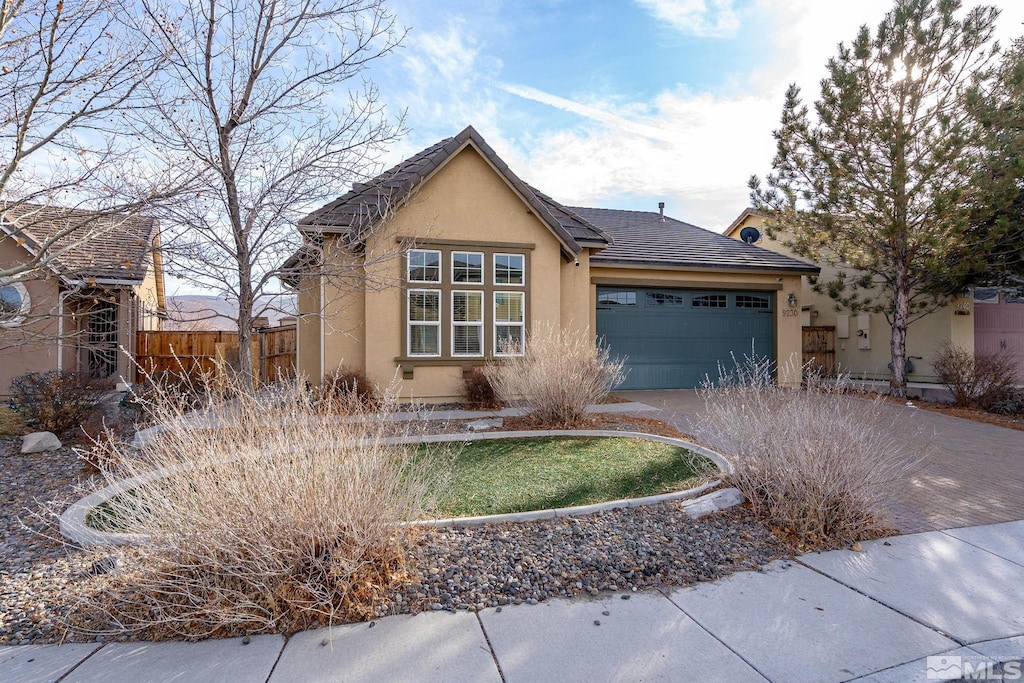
{"x":467,"y":323}
{"x":509,"y":269}
{"x":424,"y":322}
{"x":467,"y":267}
{"x":509,"y":323}
{"x":14,"y":304}
{"x":424,"y":265}
{"x":986,"y":295}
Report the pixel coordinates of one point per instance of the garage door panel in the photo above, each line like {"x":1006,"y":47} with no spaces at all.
{"x":679,"y":344}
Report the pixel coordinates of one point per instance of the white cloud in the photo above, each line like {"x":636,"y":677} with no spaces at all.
{"x":693,"y":150}
{"x":593,"y":113}
{"x":697,"y":151}
{"x":703,"y":18}
{"x":699,"y":161}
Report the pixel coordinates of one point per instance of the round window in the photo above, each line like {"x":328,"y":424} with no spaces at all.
{"x":14,"y":304}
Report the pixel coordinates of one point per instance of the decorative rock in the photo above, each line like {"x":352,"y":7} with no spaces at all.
{"x":40,"y":442}
{"x":484,"y":425}
{"x":713,"y":502}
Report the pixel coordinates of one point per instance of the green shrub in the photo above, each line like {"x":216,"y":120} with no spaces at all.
{"x":57,"y":401}
{"x":1011,"y":404}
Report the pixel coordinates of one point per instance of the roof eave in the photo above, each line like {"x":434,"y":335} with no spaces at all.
{"x":668,"y":265}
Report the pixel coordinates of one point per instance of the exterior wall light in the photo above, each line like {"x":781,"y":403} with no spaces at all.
{"x":791,"y":300}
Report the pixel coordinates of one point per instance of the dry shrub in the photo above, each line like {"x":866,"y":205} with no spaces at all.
{"x":480,"y":393}
{"x":818,"y":464}
{"x":57,"y":401}
{"x":559,"y":375}
{"x":346,"y":391}
{"x":11,"y":424}
{"x":976,"y":381}
{"x":274,"y":516}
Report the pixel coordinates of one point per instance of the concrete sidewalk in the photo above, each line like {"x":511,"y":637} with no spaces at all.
{"x":872,"y":616}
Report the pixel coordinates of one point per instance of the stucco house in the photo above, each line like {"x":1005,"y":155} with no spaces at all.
{"x":862,"y":340}
{"x":103,"y":282}
{"x":482,"y":257}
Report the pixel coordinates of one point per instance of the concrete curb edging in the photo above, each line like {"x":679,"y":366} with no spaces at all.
{"x":74,"y":527}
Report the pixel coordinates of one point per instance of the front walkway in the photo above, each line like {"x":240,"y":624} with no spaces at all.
{"x":973,"y":472}
{"x":872,"y":616}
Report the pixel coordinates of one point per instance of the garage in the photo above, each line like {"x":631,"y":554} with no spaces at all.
{"x":674,"y":338}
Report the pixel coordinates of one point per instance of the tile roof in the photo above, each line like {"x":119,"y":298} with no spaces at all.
{"x":116,"y":247}
{"x":360,"y":208}
{"x":642,"y":238}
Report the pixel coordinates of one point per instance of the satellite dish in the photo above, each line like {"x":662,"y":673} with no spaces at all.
{"x":750,"y":234}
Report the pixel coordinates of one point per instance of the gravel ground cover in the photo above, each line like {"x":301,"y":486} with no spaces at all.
{"x":41,"y":577}
{"x":37,"y":568}
{"x":617,"y":550}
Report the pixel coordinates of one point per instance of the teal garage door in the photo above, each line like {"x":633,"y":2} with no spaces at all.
{"x":674,"y":338}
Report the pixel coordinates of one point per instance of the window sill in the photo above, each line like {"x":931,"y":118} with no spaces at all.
{"x":467,"y":363}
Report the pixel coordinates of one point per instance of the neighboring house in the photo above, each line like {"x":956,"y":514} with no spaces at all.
{"x":103,"y":283}
{"x":999,"y":323}
{"x":484,"y":258}
{"x":862,"y":340}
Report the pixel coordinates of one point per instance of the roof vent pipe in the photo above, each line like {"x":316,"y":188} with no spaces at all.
{"x":661,"y":210}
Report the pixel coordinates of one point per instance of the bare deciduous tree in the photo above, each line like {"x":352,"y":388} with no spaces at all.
{"x":68,"y":72}
{"x":268,"y":104}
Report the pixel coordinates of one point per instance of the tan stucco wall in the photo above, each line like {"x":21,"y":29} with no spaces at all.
{"x":924,"y":337}
{"x":344,"y":314}
{"x":147,"y":294}
{"x":308,"y":328}
{"x":576,"y":303}
{"x":30,"y":347}
{"x":788,"y":339}
{"x":464,"y":201}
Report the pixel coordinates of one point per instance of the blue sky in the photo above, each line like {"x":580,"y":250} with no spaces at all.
{"x":621,"y":104}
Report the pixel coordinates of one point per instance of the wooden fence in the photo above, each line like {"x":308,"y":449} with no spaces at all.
{"x":278,"y":347}
{"x":819,"y":349}
{"x":195,"y":353}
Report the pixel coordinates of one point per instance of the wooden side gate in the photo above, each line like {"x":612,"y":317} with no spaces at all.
{"x":819,"y":349}
{"x":277,"y":353}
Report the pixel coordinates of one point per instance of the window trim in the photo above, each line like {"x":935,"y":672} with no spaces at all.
{"x":495,"y":323}
{"x":408,"y":362}
{"x":479,"y":325}
{"x":440,"y":267}
{"x":494,"y":269}
{"x":18,"y":318}
{"x":483,"y":268}
{"x":409,"y":323}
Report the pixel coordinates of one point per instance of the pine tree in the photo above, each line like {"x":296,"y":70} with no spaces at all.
{"x":881,"y":178}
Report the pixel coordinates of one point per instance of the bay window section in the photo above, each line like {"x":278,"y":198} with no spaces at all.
{"x":467,"y":323}
{"x":467,"y":267}
{"x":424,"y":265}
{"x":424,"y":322}
{"x":509,"y":269}
{"x":509,"y":323}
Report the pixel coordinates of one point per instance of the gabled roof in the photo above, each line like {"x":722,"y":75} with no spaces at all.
{"x":97,"y":246}
{"x":360,"y":209}
{"x":643,"y":238}
{"x":741,"y":219}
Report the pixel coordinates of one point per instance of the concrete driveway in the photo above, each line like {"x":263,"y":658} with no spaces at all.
{"x":973,"y":472}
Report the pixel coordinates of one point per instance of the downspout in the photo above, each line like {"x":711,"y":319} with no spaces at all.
{"x":60,"y":330}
